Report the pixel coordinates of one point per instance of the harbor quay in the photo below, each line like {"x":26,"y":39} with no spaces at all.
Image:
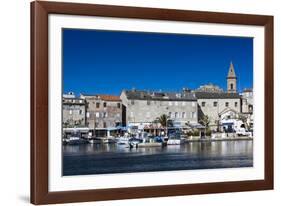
{"x":143,"y":118}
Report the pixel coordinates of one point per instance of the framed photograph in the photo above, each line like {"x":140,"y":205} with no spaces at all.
{"x":133,"y":102}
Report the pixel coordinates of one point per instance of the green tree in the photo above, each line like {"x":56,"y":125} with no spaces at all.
{"x":205,"y":121}
{"x":162,"y":120}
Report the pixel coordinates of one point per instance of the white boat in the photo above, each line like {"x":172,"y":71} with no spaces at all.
{"x":175,"y":141}
{"x":95,"y":140}
{"x":175,"y":138}
{"x":123,"y":140}
{"x":108,"y":140}
{"x":134,"y":142}
{"x":147,"y":142}
{"x":73,"y":140}
{"x":150,"y":144}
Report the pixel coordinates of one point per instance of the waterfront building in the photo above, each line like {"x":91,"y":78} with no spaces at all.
{"x":247,"y":101}
{"x":140,"y":108}
{"x":103,"y":111}
{"x":216,"y":103}
{"x":247,"y":106}
{"x":144,"y":107}
{"x":74,"y":111}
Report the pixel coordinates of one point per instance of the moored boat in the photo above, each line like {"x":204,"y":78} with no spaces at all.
{"x":95,"y":140}
{"x":175,"y":139}
{"x":147,"y":142}
{"x":73,"y":140}
{"x":123,"y":140}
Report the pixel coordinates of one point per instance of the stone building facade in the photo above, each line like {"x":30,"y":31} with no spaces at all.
{"x":146,"y":107}
{"x":247,"y":101}
{"x":214,"y":102}
{"x":74,"y":111}
{"x":247,"y":108}
{"x":103,"y":111}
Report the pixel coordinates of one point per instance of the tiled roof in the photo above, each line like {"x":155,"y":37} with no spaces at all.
{"x":109,"y":97}
{"x":162,"y":96}
{"x":105,"y":97}
{"x":216,"y":95}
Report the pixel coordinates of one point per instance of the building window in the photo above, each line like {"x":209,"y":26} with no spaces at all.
{"x":96,"y":124}
{"x":105,"y":114}
{"x":193,"y":114}
{"x":80,"y":111}
{"x":97,"y":105}
{"x":104,"y":104}
{"x":227,"y":104}
{"x":118,"y":105}
{"x":88,"y":114}
{"x":236,"y":104}
{"x":203,"y":104}
{"x":97,"y":114}
{"x":70,"y":111}
{"x":104,"y":124}
{"x":231,"y":86}
{"x":176,"y":114}
{"x":148,"y":102}
{"x":215,"y":104}
{"x":170,"y":114}
{"x":80,"y":101}
{"x":132,"y":102}
{"x":250,"y":108}
{"x":183,"y":115}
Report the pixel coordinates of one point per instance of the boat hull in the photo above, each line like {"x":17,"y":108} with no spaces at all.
{"x":175,"y":141}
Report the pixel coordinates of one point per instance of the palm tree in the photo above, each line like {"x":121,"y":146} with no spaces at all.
{"x":162,"y":120}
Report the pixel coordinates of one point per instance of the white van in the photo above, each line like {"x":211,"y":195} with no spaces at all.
{"x":236,"y":126}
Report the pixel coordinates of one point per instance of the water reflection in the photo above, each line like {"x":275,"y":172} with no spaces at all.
{"x":112,"y":158}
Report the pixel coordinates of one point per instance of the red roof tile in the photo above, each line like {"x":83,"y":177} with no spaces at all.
{"x":109,"y":98}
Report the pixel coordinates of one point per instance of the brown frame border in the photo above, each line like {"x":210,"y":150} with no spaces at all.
{"x":39,"y":102}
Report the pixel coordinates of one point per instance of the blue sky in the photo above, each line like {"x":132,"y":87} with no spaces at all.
{"x":105,"y":62}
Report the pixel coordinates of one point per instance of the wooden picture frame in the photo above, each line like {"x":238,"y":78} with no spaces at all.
{"x":40,"y":193}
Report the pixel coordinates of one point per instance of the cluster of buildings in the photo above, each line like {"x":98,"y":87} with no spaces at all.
{"x":141,"y":108}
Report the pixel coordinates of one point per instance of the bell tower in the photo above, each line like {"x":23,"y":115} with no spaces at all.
{"x":231,"y":80}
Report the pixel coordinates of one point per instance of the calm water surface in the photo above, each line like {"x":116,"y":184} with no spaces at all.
{"x":113,"y":158}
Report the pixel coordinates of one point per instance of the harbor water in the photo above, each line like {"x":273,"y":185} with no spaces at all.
{"x":113,"y":158}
